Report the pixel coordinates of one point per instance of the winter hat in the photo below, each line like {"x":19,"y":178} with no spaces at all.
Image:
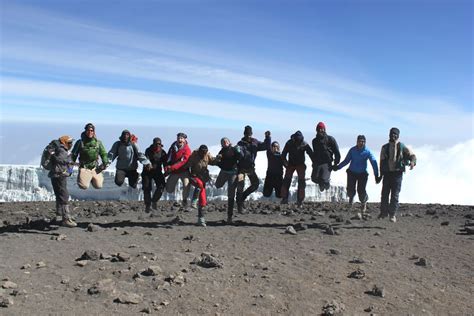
{"x":223,"y":139}
{"x":157,"y":141}
{"x":361,"y":137}
{"x":88,"y":126}
{"x":275,"y":144}
{"x":320,"y":125}
{"x":66,"y":140}
{"x":298,"y":136}
{"x":124,"y":132}
{"x":395,"y":131}
{"x":182,"y":135}
{"x":133,"y":138}
{"x":203,"y":149}
{"x":248,"y":130}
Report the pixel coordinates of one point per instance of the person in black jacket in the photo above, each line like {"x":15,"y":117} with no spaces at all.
{"x":61,"y":169}
{"x":158,"y":158}
{"x":247,"y":148}
{"x":228,"y":156}
{"x":274,"y":177}
{"x":325,"y":154}
{"x":295,"y":148}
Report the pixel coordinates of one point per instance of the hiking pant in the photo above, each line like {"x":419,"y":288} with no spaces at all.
{"x":201,"y":186}
{"x":272,"y":182}
{"x":392,"y":184}
{"x":301,"y":172}
{"x":359,"y":179}
{"x":132,"y":176}
{"x":173,"y":180}
{"x":222,"y":178}
{"x":147,"y":185}
{"x":88,"y":176}
{"x":240,"y":183}
{"x":321,"y":175}
{"x":60,"y":190}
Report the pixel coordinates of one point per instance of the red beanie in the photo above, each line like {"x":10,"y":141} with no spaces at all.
{"x":320,"y":126}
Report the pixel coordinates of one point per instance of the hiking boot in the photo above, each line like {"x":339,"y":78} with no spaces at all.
{"x":359,"y":216}
{"x":147,"y":209}
{"x":393,"y":219}
{"x":67,"y":222}
{"x":194,"y":204}
{"x":363,"y":208}
{"x":154,"y":206}
{"x":229,"y":219}
{"x":201,"y":222}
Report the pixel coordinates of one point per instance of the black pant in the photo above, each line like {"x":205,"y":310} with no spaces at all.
{"x":392,"y":184}
{"x":359,"y":179}
{"x":321,"y":175}
{"x":60,"y":190}
{"x":272,"y":182}
{"x":147,"y":185}
{"x":132,"y":176}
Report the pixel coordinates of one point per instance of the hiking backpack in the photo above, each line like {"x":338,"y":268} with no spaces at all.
{"x":48,"y":151}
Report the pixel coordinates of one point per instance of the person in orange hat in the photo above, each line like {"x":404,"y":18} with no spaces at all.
{"x":61,"y":169}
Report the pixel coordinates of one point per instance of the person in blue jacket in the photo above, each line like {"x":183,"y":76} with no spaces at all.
{"x":357,"y":172}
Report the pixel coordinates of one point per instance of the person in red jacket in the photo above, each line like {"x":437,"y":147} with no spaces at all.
{"x":178,"y":156}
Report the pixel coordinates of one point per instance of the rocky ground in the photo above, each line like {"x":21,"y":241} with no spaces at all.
{"x":120,"y":260}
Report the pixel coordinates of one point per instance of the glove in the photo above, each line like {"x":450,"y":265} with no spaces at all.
{"x":378,"y":179}
{"x":335,"y":168}
{"x":100,"y":168}
{"x":267,"y":134}
{"x":412,"y":164}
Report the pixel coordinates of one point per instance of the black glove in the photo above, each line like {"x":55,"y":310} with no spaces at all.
{"x":335,"y":168}
{"x":267,"y":134}
{"x":100,"y":168}
{"x":378,"y":179}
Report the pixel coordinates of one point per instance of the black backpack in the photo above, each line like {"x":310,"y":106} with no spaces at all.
{"x":48,"y":151}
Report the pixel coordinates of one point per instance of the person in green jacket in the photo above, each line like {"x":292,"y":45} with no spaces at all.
{"x":90,"y":151}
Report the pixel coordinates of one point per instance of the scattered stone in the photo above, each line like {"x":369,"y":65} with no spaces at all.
{"x":290,"y":230}
{"x":330,"y":230}
{"x":123,"y":256}
{"x":125,"y":232}
{"x":357,"y":260}
{"x":414,"y":257}
{"x":348,"y":222}
{"x":430,"y":212}
{"x":89,"y":255}
{"x":377,"y":234}
{"x":423,"y":262}
{"x":65,"y":280}
{"x":40,"y":264}
{"x":377,"y":291}
{"x":82,"y":263}
{"x":152,"y":271}
{"x":165,"y":303}
{"x":469,"y":230}
{"x":146,"y":310}
{"x":128,"y":298}
{"x":369,"y":309}
{"x":334,"y":252}
{"x":469,"y":223}
{"x":333,"y":308}
{"x":300,"y":226}
{"x":446,"y":223}
{"x":59,"y":237}
{"x":92,"y":228}
{"x":102,"y":286}
{"x":25,"y":266}
{"x":5,"y":301}
{"x":357,"y":274}
{"x":189,"y":237}
{"x":207,"y":260}
{"x":176,"y":279}
{"x":9,"y":285}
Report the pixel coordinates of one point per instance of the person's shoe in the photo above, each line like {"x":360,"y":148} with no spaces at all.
{"x":147,"y":209}
{"x":194,"y":204}
{"x":154,"y":206}
{"x":201,"y":222}
{"x":284,"y":201}
{"x":299,"y":204}
{"x":359,"y":216}
{"x":393,"y":219}
{"x":67,"y":222}
{"x":363,"y":208}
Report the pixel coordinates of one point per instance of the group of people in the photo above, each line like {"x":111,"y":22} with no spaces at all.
{"x":162,"y":170}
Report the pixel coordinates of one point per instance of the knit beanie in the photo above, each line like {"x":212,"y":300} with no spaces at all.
{"x":362,"y":137}
{"x":182,"y":135}
{"x":298,"y":136}
{"x":395,"y":131}
{"x":320,"y":125}
{"x":248,"y":131}
{"x":88,"y":126}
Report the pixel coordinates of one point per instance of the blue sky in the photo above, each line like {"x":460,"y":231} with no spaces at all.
{"x":360,"y":66}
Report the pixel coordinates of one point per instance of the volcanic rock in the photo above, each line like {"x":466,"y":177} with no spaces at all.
{"x":89,"y":255}
{"x":333,"y":308}
{"x":357,"y":274}
{"x":290,"y":230}
{"x":207,"y":260}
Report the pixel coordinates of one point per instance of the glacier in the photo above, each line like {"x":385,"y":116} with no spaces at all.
{"x":31,"y":183}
